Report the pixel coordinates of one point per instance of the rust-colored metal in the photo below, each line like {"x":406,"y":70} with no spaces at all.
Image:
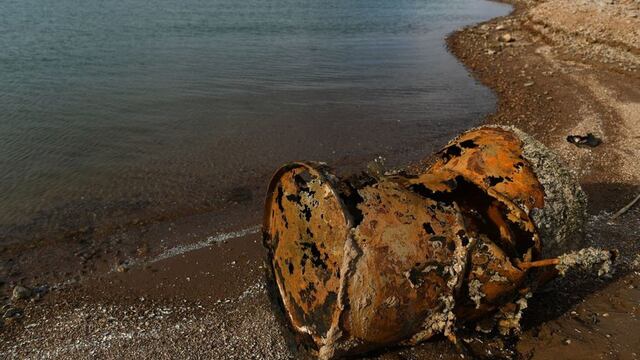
{"x":410,"y":257}
{"x":485,"y":173}
{"x":492,"y":159}
{"x":378,"y":260}
{"x":306,"y":226}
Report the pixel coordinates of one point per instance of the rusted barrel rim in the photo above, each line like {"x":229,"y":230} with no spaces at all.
{"x":322,"y":173}
{"x":320,"y":170}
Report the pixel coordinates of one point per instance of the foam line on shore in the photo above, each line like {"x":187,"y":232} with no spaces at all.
{"x":183,"y":249}
{"x":213,"y":239}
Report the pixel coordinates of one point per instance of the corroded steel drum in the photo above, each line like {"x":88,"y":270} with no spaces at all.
{"x":373,"y":261}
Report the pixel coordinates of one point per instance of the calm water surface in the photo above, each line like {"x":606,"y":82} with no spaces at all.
{"x":110,"y":109}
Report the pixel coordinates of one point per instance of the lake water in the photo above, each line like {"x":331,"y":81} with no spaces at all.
{"x":160,"y":108}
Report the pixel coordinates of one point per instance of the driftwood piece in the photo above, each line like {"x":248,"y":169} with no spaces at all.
{"x":625,"y":208}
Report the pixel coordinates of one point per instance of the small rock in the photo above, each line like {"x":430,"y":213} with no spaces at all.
{"x":500,"y":27}
{"x":589,"y":140}
{"x":122,"y":268}
{"x":39,"y":292}
{"x":12,"y":313}
{"x":507,"y":38}
{"x":21,"y":293}
{"x":490,"y":52}
{"x":567,"y":341}
{"x":528,"y":84}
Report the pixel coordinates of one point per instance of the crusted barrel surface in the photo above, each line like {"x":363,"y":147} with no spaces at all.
{"x":306,"y":226}
{"x":397,"y":257}
{"x":405,"y":272}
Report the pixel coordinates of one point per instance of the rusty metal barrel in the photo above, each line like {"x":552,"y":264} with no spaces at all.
{"x":373,"y":261}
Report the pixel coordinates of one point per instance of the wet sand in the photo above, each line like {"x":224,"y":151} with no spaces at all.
{"x":209,"y":300}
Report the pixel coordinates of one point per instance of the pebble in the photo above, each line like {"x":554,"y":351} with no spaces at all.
{"x":21,"y":293}
{"x":507,"y":38}
{"x":122,"y":268}
{"x":12,"y":313}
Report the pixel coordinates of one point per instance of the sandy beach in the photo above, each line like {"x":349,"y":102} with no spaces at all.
{"x":558,"y":68}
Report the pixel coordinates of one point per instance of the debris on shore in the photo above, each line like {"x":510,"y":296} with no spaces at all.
{"x":21,"y":293}
{"x":588,"y":140}
{"x":397,"y":257}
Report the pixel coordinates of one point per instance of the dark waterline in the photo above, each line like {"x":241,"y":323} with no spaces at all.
{"x":154,"y":108}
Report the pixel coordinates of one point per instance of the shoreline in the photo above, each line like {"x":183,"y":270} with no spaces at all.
{"x":71,"y":240}
{"x":212,"y":299}
{"x":553,"y":82}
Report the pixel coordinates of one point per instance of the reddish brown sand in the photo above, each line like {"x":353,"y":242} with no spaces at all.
{"x":572,"y":68}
